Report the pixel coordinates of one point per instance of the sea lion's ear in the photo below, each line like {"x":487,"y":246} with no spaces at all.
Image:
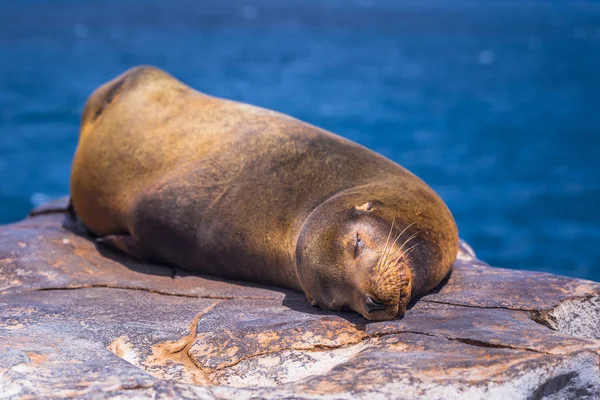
{"x":368,"y":206}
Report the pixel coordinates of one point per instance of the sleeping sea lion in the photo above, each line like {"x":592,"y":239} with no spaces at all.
{"x":168,"y":174}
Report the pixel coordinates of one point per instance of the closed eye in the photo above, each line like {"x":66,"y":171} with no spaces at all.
{"x":358,"y":245}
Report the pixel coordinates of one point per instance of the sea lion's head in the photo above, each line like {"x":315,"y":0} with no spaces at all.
{"x":361,"y":253}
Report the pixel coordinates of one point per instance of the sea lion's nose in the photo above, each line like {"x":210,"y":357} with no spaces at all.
{"x":373,"y":305}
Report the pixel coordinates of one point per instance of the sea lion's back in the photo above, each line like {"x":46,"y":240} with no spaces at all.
{"x":143,"y":125}
{"x":132,"y":129}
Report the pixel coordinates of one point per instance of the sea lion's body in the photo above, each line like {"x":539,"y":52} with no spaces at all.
{"x":224,"y":188}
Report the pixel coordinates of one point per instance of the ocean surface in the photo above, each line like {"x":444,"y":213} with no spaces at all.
{"x":495,"y":104}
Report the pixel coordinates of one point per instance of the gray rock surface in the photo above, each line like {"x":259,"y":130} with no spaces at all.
{"x":79,"y":320}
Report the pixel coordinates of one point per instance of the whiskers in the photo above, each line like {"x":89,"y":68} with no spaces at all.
{"x":391,"y":257}
{"x":392,"y":275}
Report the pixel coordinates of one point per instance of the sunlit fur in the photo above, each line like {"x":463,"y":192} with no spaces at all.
{"x":391,"y":280}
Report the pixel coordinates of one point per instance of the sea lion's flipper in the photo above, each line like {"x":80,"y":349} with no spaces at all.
{"x":312,"y":301}
{"x":125,"y":243}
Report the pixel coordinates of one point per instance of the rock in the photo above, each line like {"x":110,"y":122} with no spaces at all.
{"x":80,"y":320}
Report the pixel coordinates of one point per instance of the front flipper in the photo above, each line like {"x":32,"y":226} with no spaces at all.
{"x":125,"y":243}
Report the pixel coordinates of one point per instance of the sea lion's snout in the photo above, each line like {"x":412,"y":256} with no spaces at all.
{"x":387,"y":290}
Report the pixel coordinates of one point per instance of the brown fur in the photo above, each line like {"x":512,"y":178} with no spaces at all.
{"x":166,"y":173}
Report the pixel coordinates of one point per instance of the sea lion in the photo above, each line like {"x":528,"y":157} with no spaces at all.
{"x":168,"y":174}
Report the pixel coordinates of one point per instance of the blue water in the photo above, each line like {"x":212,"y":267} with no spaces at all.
{"x":495,"y":104}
